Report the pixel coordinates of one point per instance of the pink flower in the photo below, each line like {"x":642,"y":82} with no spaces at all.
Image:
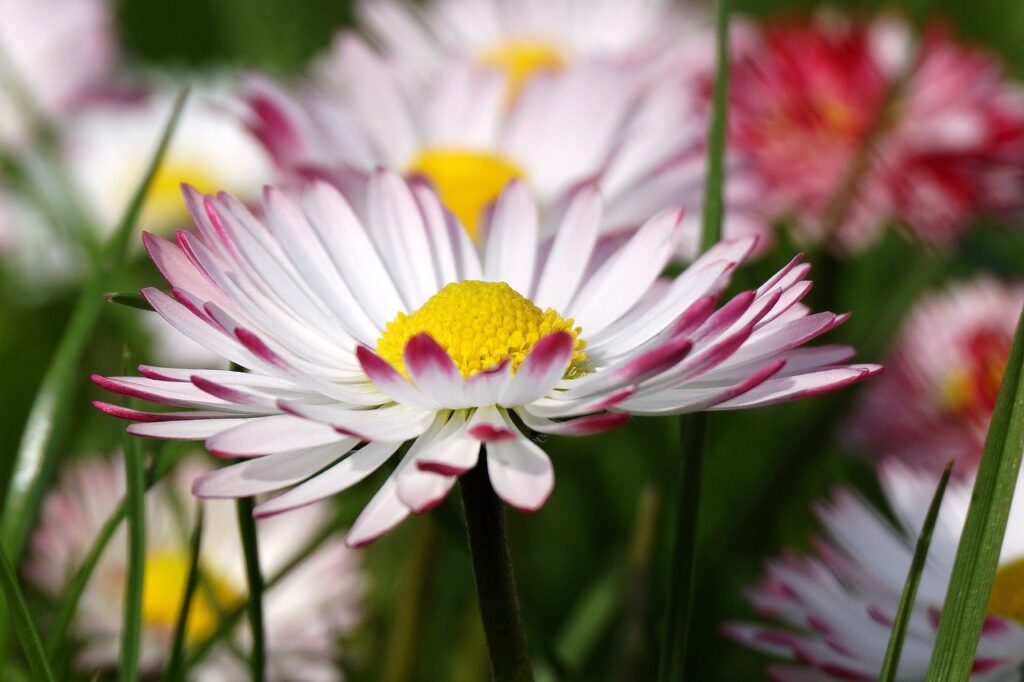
{"x":806,"y":97}
{"x":935,"y":402}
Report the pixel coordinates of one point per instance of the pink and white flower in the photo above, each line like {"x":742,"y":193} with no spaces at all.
{"x":58,"y":51}
{"x":936,"y":401}
{"x":305,"y":612}
{"x":805,"y":97}
{"x":462,"y":132}
{"x":366,"y":330}
{"x":834,"y":610}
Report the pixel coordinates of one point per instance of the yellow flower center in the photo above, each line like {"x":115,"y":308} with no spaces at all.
{"x":479,"y":324}
{"x":164,"y":587}
{"x":521,"y":60}
{"x":1007,"y":598}
{"x":467,"y":180}
{"x":164,"y":207}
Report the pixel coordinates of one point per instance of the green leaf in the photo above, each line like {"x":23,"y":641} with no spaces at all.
{"x":250,"y":547}
{"x":891,"y":663}
{"x":128,"y":299}
{"x":23,"y":625}
{"x":977,"y":556}
{"x":711,"y":228}
{"x":174,"y":667}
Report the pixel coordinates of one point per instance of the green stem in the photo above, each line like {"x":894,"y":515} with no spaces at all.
{"x":174,"y":666}
{"x":495,"y":580}
{"x":675,"y":636}
{"x":135,"y":503}
{"x":247,"y":530}
{"x":711,"y":230}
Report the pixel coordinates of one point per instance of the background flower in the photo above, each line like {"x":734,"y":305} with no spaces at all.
{"x":836,"y":608}
{"x":936,"y":400}
{"x":305,"y":613}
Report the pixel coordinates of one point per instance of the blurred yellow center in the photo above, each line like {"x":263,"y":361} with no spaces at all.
{"x":164,"y":207}
{"x":164,"y":587}
{"x":1007,"y":598}
{"x":521,"y":60}
{"x":479,"y":324}
{"x":467,"y":180}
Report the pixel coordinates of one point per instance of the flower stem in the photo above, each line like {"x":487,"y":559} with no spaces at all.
{"x":495,"y":581}
{"x":247,"y":530}
{"x":675,"y":636}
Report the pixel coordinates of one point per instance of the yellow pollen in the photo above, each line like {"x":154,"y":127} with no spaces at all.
{"x":479,"y":324}
{"x":164,"y":587}
{"x":467,"y":180}
{"x":957,"y":392}
{"x":521,"y":60}
{"x":164,"y":207}
{"x":1007,"y":598}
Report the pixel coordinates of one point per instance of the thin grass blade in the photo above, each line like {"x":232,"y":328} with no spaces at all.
{"x":174,"y":667}
{"x":23,"y":625}
{"x":977,"y":556}
{"x":891,"y":663}
{"x":711,"y":227}
{"x":250,"y":547}
{"x":37,"y":452}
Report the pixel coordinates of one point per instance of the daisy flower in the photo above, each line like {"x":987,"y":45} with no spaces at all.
{"x":835,"y":609}
{"x":522,"y":39}
{"x":305,"y":613}
{"x":58,"y":51}
{"x":365,"y":331}
{"x":935,"y":403}
{"x":805,"y":97}
{"x":460,"y":132}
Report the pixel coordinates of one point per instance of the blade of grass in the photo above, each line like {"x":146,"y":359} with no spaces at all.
{"x":174,"y":666}
{"x":23,"y":625}
{"x":39,"y":445}
{"x":410,"y":613}
{"x":977,"y":556}
{"x":135,"y":510}
{"x":891,"y":663}
{"x":247,"y":531}
{"x":76,"y":586}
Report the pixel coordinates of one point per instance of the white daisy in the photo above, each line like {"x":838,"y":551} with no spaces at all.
{"x":460,"y":131}
{"x":364,"y":331}
{"x":304,"y":613}
{"x":836,"y":608}
{"x":58,"y":50}
{"x":526,"y":38}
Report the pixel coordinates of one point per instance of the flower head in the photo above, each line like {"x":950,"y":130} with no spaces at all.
{"x":362,"y":332}
{"x":304,"y":613}
{"x":936,"y":401}
{"x":459,"y":132}
{"x":524,"y":39}
{"x":809,"y":99}
{"x":835,"y":609}
{"x":58,"y":50}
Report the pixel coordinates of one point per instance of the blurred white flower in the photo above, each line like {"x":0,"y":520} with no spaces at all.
{"x":305,"y":613}
{"x":835,"y":609}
